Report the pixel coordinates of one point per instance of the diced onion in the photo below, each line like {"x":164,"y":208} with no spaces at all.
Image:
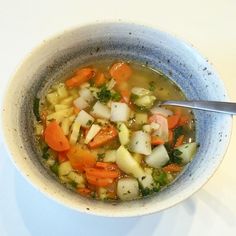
{"x":119,"y":112}
{"x":140,"y":143}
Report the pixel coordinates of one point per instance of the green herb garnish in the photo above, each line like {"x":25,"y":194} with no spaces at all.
{"x":104,"y":95}
{"x":175,"y":156}
{"x":89,"y":122}
{"x":152,"y":86}
{"x":160,"y":177}
{"x":177,"y":132}
{"x":116,"y":97}
{"x":54,"y":168}
{"x":100,"y":156}
{"x":45,"y":154}
{"x":73,"y":184}
{"x":36,"y":109}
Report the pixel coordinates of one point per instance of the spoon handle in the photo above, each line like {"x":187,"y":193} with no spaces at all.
{"x":222,"y":107}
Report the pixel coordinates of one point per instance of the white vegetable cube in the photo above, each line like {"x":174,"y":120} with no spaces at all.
{"x":154,"y":126}
{"x":147,"y":181}
{"x":92,"y":133}
{"x":158,"y":158}
{"x":86,"y":94}
{"x":80,"y":103}
{"x":140,"y":143}
{"x":101,"y":111}
{"x":119,"y":112}
{"x":75,"y":132}
{"x":84,"y":119}
{"x":128,"y":189}
{"x":147,"y":128}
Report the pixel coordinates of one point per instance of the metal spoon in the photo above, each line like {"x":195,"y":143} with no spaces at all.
{"x":222,"y":107}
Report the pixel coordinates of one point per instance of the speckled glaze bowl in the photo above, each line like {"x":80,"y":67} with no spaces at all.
{"x":54,"y":57}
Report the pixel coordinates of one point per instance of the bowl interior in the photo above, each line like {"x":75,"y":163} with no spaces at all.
{"x":52,"y":60}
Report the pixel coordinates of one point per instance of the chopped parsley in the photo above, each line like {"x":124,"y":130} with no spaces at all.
{"x":73,"y":184}
{"x":115,"y":96}
{"x":54,"y":168}
{"x":46,"y":153}
{"x":177,"y":132}
{"x":89,"y":122}
{"x":152,"y":86}
{"x":100,"y":156}
{"x":104,"y":95}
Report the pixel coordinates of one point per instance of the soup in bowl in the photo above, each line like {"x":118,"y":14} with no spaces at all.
{"x":82,"y":122}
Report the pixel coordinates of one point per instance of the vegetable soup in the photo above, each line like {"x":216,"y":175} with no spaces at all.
{"x":102,"y":133}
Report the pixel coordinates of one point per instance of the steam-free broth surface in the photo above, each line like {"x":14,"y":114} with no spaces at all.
{"x":103,"y":135}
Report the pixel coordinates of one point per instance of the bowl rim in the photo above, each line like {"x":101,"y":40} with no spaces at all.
{"x":35,"y":184}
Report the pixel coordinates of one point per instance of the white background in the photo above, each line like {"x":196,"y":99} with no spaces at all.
{"x":209,"y":25}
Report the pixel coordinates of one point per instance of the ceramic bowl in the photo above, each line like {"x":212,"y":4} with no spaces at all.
{"x":179,"y":61}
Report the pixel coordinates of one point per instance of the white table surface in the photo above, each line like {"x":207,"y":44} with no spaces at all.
{"x":209,"y":25}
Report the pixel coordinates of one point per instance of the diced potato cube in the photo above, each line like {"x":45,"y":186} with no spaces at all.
{"x":53,"y":98}
{"x":80,"y":103}
{"x":60,"y":115}
{"x":101,"y":111}
{"x":67,"y":101}
{"x":62,"y":91}
{"x":59,"y":107}
{"x":127,"y":189}
{"x":84,"y":119}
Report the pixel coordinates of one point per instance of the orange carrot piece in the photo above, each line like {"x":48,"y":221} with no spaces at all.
{"x":102,"y":173}
{"x":81,"y":158}
{"x":125,"y":94}
{"x":179,"y":140}
{"x":100,"y":79}
{"x":55,"y":137}
{"x":177,"y":111}
{"x":155,"y":140}
{"x":172,"y":168}
{"x":173,"y":121}
{"x":183,"y":120}
{"x":104,"y":165}
{"x":100,"y":182}
{"x":121,"y":71}
{"x":171,"y":136}
{"x":81,"y":76}
{"x":84,"y":191}
{"x":105,"y":135}
{"x":62,"y":157}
